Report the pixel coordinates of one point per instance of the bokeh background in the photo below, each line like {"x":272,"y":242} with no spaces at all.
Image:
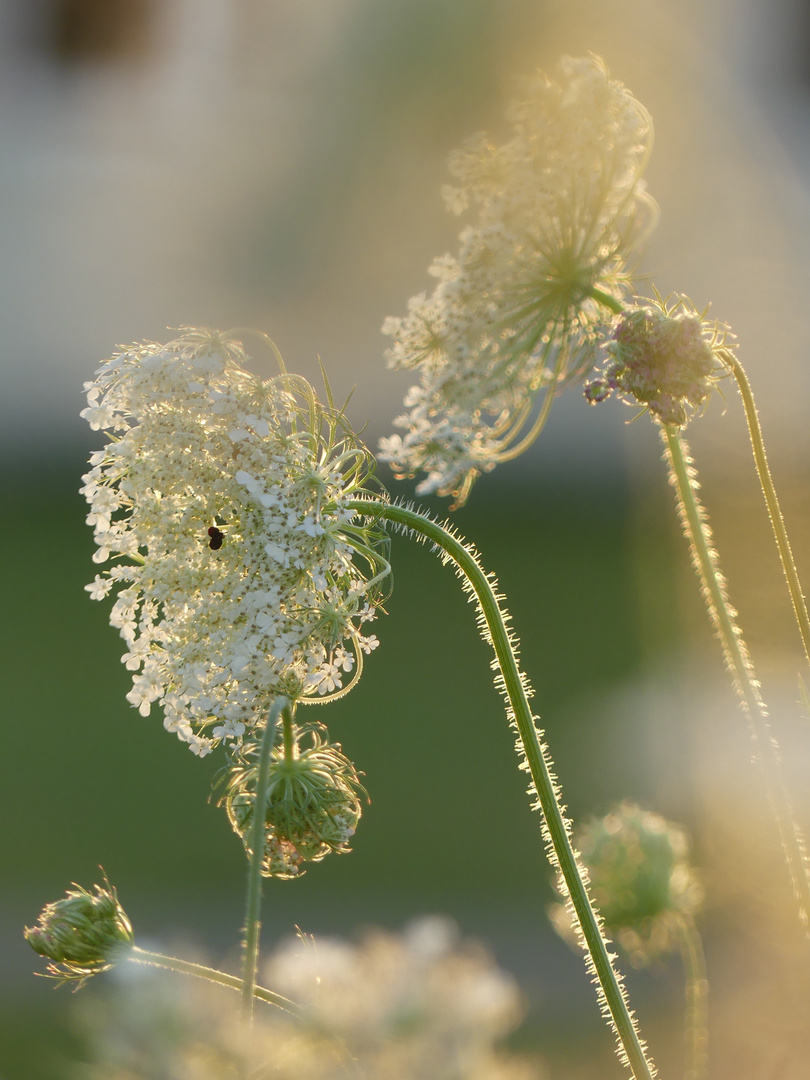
{"x":277,"y":164}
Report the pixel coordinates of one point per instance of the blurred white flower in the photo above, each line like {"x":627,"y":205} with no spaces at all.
{"x":228,"y":497}
{"x":413,"y":1006}
{"x":561,"y":209}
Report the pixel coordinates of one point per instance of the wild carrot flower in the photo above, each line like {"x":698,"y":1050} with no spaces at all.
{"x":81,"y":933}
{"x":663,"y":357}
{"x":220,"y":496}
{"x":561,"y":208}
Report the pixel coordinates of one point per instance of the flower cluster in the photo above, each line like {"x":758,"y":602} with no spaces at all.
{"x":222,"y":499}
{"x":81,"y":933}
{"x":663,"y":357}
{"x":561,"y":208}
{"x":419,"y":1005}
{"x":641,"y":880}
{"x":312,"y":807}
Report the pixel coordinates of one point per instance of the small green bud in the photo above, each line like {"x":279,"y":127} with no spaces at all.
{"x":81,"y":933}
{"x":313,"y":803}
{"x":640,"y":879}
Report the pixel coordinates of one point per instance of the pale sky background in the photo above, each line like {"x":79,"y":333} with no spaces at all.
{"x":277,"y":163}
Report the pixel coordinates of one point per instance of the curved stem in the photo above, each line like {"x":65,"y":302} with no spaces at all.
{"x":186,"y":967}
{"x":534,"y":430}
{"x":771,"y":501}
{"x":696,"y":1029}
{"x":605,"y":299}
{"x":723,"y":615}
{"x":515,"y":687}
{"x":253,"y":924}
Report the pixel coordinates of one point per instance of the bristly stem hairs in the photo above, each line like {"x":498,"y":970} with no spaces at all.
{"x":536,"y":760}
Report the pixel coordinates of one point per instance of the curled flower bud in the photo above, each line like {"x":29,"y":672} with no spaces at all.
{"x":313,"y":804}
{"x":662,"y":357}
{"x":240,"y":573}
{"x":640,"y":878}
{"x":81,"y":933}
{"x":561,"y":209}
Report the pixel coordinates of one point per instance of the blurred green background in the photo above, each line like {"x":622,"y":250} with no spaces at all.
{"x":277,"y":163}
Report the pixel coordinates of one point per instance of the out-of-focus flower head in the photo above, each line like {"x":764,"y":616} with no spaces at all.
{"x":313,"y":801}
{"x":422,"y":982}
{"x":640,"y":878}
{"x":420,"y":1005}
{"x":561,"y":210}
{"x":81,"y":933}
{"x":241,"y":575}
{"x":664,"y":357}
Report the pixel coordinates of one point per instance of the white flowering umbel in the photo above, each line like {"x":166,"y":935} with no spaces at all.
{"x":561,"y":208}
{"x":220,"y":498}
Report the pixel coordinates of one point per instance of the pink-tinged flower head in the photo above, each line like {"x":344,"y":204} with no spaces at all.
{"x":663,"y":357}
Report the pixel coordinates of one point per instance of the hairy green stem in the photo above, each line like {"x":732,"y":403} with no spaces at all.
{"x":696,"y":1030}
{"x":253,"y":924}
{"x":771,"y":501}
{"x":186,"y":967}
{"x":516,"y":689}
{"x":723,"y":616}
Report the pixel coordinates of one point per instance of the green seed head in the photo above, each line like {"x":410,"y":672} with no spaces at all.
{"x":312,"y":808}
{"x":81,"y":933}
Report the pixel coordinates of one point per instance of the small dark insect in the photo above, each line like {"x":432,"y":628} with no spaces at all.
{"x":215,"y":543}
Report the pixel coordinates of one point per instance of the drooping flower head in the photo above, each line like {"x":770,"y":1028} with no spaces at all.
{"x":641,"y":879}
{"x":663,"y":357}
{"x":561,"y":208}
{"x":221,"y":497}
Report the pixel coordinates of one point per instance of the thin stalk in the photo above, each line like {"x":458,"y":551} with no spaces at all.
{"x":534,"y":430}
{"x":696,"y":1020}
{"x":704,"y":557}
{"x":233,"y":982}
{"x":287,"y":732}
{"x":514,"y":686}
{"x":605,"y":299}
{"x":253,"y":923}
{"x":771,"y":501}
